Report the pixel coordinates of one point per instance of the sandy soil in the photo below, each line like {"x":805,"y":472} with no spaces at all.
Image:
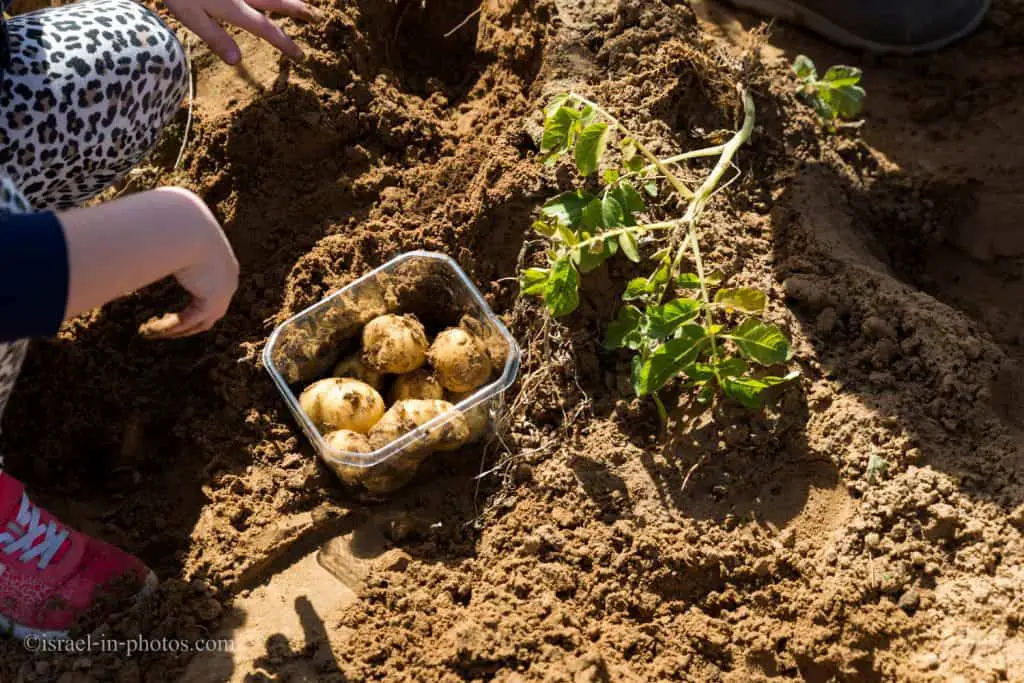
{"x":893,"y":257}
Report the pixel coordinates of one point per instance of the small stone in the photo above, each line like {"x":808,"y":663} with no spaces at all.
{"x":826,"y":321}
{"x":1017,"y":517}
{"x":209,"y":609}
{"x":872,"y":540}
{"x":532,"y":545}
{"x":945,"y":522}
{"x":788,"y":538}
{"x":928,"y":661}
{"x":394,"y":560}
{"x":910,"y":600}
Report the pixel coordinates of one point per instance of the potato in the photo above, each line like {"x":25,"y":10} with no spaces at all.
{"x":496,"y":345}
{"x":335,"y":403}
{"x":354,"y":367}
{"x":478,"y":418}
{"x":394,"y":344}
{"x":407,"y":415}
{"x":460,"y":359}
{"x":347,"y":440}
{"x":421,"y":383}
{"x":301,"y":355}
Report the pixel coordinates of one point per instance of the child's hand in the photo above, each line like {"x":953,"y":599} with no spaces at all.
{"x":204,"y":18}
{"x":129,"y":243}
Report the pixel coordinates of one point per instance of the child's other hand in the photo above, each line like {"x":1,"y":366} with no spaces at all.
{"x":129,"y":243}
{"x":204,"y":18}
{"x":211,"y":280}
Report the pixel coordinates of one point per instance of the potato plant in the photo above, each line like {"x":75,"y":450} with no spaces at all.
{"x":836,"y":95}
{"x":679,"y":320}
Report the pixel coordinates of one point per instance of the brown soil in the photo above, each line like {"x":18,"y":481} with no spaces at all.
{"x":893,"y":257}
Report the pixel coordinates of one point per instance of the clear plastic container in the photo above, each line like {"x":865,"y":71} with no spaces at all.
{"x":428,"y":285}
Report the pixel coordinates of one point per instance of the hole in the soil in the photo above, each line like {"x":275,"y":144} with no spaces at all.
{"x":414,"y":43}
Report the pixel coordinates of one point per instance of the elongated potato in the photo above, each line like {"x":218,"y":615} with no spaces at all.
{"x":421,"y":383}
{"x":478,"y":418}
{"x":460,"y":359}
{"x":407,"y":415}
{"x":335,"y":403}
{"x":354,"y":367}
{"x":394,"y":344}
{"x":347,"y":440}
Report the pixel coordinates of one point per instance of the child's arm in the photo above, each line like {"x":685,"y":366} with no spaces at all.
{"x":61,"y":266}
{"x":123,"y":245}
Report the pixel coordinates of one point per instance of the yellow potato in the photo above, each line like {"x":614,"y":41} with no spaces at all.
{"x":407,"y":415}
{"x":460,"y":359}
{"x":335,"y":403}
{"x":349,"y":441}
{"x":478,"y":418}
{"x":421,"y":383}
{"x":394,"y":344}
{"x":354,"y":367}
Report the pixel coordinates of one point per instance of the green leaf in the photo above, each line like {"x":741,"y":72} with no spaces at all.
{"x":629,"y":151}
{"x":592,"y":218}
{"x":659,"y":278}
{"x":624,"y":331}
{"x":742,"y":299}
{"x":651,"y":187}
{"x":839,"y":76}
{"x":669,"y":359}
{"x":665,"y":320}
{"x":589,"y":258}
{"x":543,"y":228}
{"x":804,"y":68}
{"x":688,"y":281}
{"x":705,"y":394}
{"x":731,"y":367}
{"x":636,"y":367}
{"x":627,"y":242}
{"x":559,"y":131}
{"x":562,"y":291}
{"x":748,"y":390}
{"x":714,"y":278}
{"x":637,"y":288}
{"x":555,"y":104}
{"x":760,"y":342}
{"x":565,"y":234}
{"x":878,"y":468}
{"x":533,"y":280}
{"x":612,"y":215}
{"x":847,"y":101}
{"x":700,"y":372}
{"x":567,"y":208}
{"x":587,"y":116}
{"x":590,"y":147}
{"x":611,"y":176}
{"x":630,"y":199}
{"x":636,"y":163}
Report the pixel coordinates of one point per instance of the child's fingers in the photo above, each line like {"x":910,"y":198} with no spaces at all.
{"x":259,"y":25}
{"x":195,"y":318}
{"x":213,"y":35}
{"x":291,"y":8}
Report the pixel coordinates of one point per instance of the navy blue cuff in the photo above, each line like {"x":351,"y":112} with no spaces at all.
{"x":33,"y":275}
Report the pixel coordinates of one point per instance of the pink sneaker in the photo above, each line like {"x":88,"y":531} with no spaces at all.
{"x":49,"y":574}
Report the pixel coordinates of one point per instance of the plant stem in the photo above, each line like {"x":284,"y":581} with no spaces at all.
{"x":696,"y":207}
{"x":637,"y":229}
{"x":655,"y":161}
{"x":662,"y":413}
